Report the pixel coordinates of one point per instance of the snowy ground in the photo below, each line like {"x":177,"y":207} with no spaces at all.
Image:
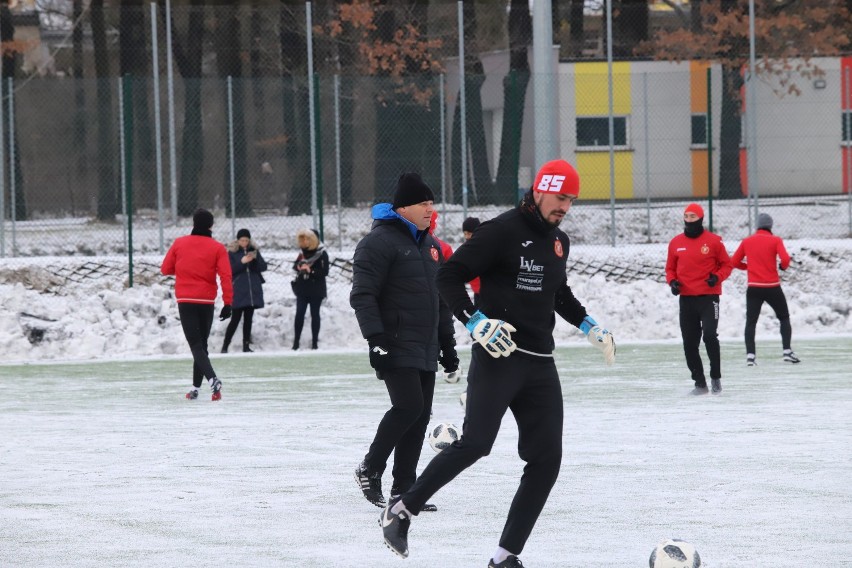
{"x":106,"y":464}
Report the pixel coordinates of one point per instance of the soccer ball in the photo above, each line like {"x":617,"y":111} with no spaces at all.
{"x":443,"y":435}
{"x":452,"y":377}
{"x":674,"y":553}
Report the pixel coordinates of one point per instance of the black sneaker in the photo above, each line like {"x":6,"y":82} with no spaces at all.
{"x":751,"y":361}
{"x":716,"y":385}
{"x":699,"y":390}
{"x":511,"y":562}
{"x":395,"y":529}
{"x":790,"y":357}
{"x":192,"y":395}
{"x":427,"y":508}
{"x":371,"y":485}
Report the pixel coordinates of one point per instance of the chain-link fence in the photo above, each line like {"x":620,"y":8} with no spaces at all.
{"x":118,"y":120}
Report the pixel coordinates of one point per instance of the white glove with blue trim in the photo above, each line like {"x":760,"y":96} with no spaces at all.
{"x":599,"y":337}
{"x":494,"y":335}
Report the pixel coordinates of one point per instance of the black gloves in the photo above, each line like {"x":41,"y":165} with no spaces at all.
{"x":781,"y":266}
{"x":379,"y":351}
{"x":449,"y":359}
{"x":675,"y":286}
{"x":225,"y":313}
{"x":712,"y":280}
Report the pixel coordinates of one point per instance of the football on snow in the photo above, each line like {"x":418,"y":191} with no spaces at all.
{"x":674,"y":553}
{"x":443,"y":435}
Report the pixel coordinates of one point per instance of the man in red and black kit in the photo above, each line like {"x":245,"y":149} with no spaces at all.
{"x":195,"y":260}
{"x":520,"y":257}
{"x":762,"y":250}
{"x":696,"y":266}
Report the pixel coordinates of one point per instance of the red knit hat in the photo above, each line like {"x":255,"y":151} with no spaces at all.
{"x":557,"y":176}
{"x":694,"y":208}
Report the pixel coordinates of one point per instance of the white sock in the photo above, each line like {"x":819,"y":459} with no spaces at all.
{"x":193,"y":388}
{"x":501,"y":555}
{"x":787,"y":351}
{"x":399,"y":507}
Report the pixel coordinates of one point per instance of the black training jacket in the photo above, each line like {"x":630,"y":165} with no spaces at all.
{"x":520,"y":261}
{"x":394,"y":292}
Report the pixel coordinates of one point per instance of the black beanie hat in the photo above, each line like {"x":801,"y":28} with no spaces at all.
{"x":243,"y":233}
{"x":470,"y":224}
{"x":411,"y":189}
{"x":202,"y":219}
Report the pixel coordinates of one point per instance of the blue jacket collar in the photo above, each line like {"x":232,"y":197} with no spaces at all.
{"x":385,"y":212}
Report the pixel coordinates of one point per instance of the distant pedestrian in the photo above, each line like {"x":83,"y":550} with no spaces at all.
{"x":763,"y":251}
{"x":469,"y":225}
{"x":246,"y":267}
{"x":696,"y":266}
{"x":309,"y":285}
{"x":195,"y":261}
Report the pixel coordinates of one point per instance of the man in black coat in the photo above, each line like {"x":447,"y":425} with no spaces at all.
{"x":520,"y":257}
{"x":407,"y":327}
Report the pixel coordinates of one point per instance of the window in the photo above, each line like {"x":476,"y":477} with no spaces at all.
{"x":847,"y":127}
{"x":699,"y":130}
{"x":593,"y":132}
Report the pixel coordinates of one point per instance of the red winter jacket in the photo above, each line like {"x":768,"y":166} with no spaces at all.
{"x":195,"y":261}
{"x":761,"y":250}
{"x":692,"y":261}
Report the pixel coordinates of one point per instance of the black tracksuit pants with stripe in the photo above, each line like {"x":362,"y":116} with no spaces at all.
{"x":699,"y":316}
{"x":529,"y":387}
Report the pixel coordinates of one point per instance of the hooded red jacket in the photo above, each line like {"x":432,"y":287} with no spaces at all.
{"x":761,"y":250}
{"x":195,"y":261}
{"x":692,"y":261}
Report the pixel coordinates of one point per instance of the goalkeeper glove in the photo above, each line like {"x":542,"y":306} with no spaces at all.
{"x":712,"y":280}
{"x":600,"y":338}
{"x":225,"y":313}
{"x":494,"y":335}
{"x":379,"y":351}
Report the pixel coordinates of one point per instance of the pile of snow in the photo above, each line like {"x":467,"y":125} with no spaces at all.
{"x":59,"y":318}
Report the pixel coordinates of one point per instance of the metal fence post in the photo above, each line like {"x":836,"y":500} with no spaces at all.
{"x":155,"y":60}
{"x":127,"y":102}
{"x":231,"y":178}
{"x":12,"y":170}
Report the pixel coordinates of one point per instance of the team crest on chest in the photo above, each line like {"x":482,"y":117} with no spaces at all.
{"x":435,"y":256}
{"x":557,"y":248}
{"x":705,"y":249}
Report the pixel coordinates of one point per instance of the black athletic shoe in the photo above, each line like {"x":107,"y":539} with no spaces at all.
{"x":716,"y":385}
{"x":511,"y":562}
{"x":192,"y":395}
{"x":216,"y":387}
{"x":751,"y":361}
{"x":427,"y":508}
{"x":371,"y":485}
{"x":395,"y":529}
{"x":699,"y":390}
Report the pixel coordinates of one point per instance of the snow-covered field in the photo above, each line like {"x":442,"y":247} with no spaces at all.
{"x":106,"y":464}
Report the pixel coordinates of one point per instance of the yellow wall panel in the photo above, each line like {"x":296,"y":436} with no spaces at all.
{"x":698,"y":86}
{"x":699,"y":173}
{"x":591,"y":91}
{"x":594,"y":175}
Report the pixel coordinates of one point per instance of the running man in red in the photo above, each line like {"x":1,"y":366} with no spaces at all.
{"x":195,"y":260}
{"x":697,"y":265}
{"x":762,"y":250}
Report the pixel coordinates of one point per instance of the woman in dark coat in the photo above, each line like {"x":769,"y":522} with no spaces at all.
{"x":311,"y":268}
{"x":246,"y":268}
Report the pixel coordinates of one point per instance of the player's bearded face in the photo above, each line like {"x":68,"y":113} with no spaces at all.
{"x":553,"y":206}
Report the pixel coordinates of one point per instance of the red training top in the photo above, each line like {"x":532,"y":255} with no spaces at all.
{"x":761,"y":250}
{"x":692,"y":261}
{"x":195,"y":261}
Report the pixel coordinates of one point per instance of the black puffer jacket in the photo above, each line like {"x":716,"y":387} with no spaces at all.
{"x":394,"y":292}
{"x":247,"y":278}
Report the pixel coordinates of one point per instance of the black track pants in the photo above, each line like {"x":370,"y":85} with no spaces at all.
{"x":302,"y":303}
{"x":778,"y":302}
{"x":196,"y":320}
{"x":402,"y":428}
{"x":529,"y":387}
{"x":699,"y":316}
{"x":236,"y":315}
